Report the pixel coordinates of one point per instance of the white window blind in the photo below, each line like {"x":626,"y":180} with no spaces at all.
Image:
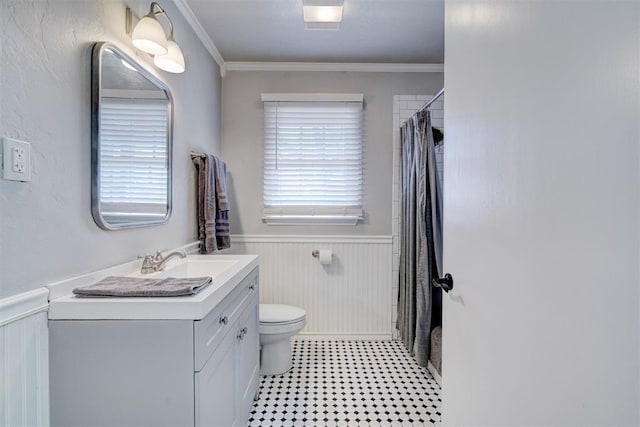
{"x":313,"y":161}
{"x":133,"y":157}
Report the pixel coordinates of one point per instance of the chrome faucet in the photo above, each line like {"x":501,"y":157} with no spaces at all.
{"x":153,"y":263}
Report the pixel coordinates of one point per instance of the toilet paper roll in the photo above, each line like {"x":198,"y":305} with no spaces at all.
{"x":325,"y":257}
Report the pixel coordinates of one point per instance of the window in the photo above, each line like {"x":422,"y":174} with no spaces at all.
{"x":133,"y":158}
{"x":312,"y":159}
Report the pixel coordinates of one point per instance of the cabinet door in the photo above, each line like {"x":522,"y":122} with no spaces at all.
{"x":216,"y":392}
{"x":120,"y":373}
{"x":248,"y":361}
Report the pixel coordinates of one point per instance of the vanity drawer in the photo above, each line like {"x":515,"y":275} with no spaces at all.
{"x":209,"y":332}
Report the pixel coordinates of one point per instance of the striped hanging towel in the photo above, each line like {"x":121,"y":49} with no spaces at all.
{"x":213,"y":205}
{"x":223,"y":239}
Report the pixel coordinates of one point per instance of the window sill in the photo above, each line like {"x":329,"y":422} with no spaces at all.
{"x":311,"y":219}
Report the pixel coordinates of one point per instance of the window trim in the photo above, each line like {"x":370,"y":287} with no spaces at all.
{"x":312,"y":97}
{"x":314,"y":215}
{"x":303,"y":215}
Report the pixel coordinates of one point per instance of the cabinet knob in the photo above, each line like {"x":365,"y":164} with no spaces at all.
{"x":242,"y":333}
{"x":252,"y":287}
{"x":224,"y":320}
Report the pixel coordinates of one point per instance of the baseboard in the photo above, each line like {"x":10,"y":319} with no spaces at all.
{"x":436,"y":375}
{"x":342,"y":337}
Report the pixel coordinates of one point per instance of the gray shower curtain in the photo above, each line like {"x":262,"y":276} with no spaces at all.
{"x":420,"y":234}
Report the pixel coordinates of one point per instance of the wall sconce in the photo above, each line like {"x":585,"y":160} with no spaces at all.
{"x":149,"y":36}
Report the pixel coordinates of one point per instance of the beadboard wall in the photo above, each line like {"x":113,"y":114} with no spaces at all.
{"x":24,"y":360}
{"x":348,"y":299}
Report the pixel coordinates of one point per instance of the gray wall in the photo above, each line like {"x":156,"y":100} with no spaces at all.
{"x":46,"y":229}
{"x":242,"y":135}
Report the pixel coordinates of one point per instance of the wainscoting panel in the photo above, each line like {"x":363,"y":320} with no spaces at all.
{"x":24,"y":360}
{"x":350,"y":298}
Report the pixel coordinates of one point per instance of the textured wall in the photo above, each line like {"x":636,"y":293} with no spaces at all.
{"x":243,"y":123}
{"x":46,"y":228}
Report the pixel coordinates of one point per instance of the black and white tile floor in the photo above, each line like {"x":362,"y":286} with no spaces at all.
{"x":348,"y":383}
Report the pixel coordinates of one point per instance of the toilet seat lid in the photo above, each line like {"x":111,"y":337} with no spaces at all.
{"x":280,"y":313}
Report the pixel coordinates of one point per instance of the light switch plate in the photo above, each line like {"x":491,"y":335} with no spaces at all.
{"x":16,"y":160}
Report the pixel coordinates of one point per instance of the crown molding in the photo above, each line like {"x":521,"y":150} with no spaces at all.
{"x":334,"y":66}
{"x":191,"y":18}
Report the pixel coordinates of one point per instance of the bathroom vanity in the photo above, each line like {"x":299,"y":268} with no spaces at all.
{"x":176,"y":361}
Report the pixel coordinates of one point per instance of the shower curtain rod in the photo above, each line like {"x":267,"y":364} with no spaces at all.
{"x":428,"y":103}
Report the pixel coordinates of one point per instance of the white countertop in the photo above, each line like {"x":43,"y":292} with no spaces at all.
{"x":226,"y":270}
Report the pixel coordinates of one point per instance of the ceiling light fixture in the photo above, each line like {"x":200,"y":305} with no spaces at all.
{"x":322,"y":14}
{"x":149,"y":36}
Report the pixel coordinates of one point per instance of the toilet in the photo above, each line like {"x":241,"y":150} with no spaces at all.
{"x":278,"y":323}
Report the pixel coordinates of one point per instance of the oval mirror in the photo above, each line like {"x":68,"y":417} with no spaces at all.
{"x":131,"y":142}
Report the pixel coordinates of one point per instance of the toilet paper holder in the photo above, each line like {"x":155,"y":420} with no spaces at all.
{"x":324,"y":257}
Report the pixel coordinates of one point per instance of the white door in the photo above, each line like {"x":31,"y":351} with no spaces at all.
{"x":541,"y":212}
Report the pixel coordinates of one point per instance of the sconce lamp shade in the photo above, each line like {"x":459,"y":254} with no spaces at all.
{"x":148,"y":36}
{"x":173,"y":61}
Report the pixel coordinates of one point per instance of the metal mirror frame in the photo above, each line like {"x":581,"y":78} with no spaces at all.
{"x":96,"y":84}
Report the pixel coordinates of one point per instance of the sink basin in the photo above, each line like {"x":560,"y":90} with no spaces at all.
{"x":195,"y":266}
{"x":227,"y":271}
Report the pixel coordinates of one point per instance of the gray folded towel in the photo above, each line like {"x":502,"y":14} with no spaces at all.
{"x":120,"y":286}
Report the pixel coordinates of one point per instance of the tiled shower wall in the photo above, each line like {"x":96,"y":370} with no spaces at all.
{"x":405,"y":106}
